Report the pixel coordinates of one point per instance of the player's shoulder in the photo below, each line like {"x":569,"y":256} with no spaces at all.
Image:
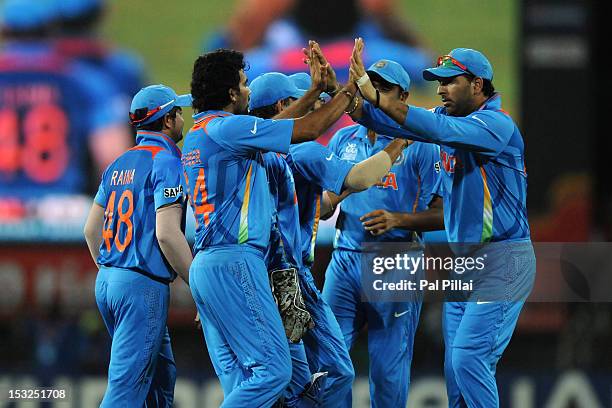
{"x":346,"y":133}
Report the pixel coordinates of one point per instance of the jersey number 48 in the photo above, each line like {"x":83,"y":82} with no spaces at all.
{"x":124,"y":219}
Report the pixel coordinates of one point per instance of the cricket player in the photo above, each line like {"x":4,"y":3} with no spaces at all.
{"x":230,"y":196}
{"x":484,"y":188}
{"x":389,"y":212}
{"x":135,"y":235}
{"x":57,"y":116}
{"x":275,"y":95}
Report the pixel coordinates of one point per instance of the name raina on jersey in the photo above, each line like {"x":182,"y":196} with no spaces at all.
{"x":123,"y":177}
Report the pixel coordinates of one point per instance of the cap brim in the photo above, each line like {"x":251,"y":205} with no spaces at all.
{"x":183,"y":100}
{"x":299,"y":93}
{"x":384,"y":76}
{"x":433,"y":74}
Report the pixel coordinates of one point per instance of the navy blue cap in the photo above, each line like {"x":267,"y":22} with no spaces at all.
{"x":27,"y":15}
{"x":469,"y":62}
{"x":391,"y":72}
{"x":158,"y":100}
{"x":270,"y":88}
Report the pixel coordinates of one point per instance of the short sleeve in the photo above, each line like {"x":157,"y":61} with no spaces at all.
{"x":100,"y":197}
{"x":319,"y":165}
{"x":243,"y":134}
{"x":166,"y":179}
{"x":428,"y":169}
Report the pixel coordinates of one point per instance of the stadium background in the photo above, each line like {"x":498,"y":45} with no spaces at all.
{"x":51,"y":333}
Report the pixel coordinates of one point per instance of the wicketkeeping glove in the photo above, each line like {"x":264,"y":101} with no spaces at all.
{"x":288,"y":296}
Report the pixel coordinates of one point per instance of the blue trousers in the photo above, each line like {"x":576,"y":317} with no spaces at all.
{"x":391,"y":329}
{"x":243,"y":330}
{"x":135,"y":309}
{"x":325,"y":347}
{"x":476,"y":333}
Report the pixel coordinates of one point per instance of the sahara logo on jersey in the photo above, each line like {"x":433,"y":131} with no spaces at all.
{"x":450,"y":162}
{"x":389,"y":181}
{"x":172,"y":192}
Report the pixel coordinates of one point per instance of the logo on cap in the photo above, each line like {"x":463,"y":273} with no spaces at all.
{"x":381,"y":64}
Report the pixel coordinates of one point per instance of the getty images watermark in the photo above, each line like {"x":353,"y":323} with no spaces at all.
{"x":412,"y":261}
{"x":480,"y":273}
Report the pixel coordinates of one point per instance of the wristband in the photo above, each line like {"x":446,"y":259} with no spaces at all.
{"x":363,"y":80}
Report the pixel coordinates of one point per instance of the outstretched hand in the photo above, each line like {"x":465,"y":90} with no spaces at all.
{"x":314,"y":51}
{"x":357,"y":72}
{"x":318,"y":70}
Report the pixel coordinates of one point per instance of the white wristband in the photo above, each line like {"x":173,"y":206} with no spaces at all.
{"x":363,"y":80}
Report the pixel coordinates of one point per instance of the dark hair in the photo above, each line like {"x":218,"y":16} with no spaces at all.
{"x":82,"y":23}
{"x":487,"y":88}
{"x":269,"y":111}
{"x":158,"y":124}
{"x":214,"y":74}
{"x":265,"y":112}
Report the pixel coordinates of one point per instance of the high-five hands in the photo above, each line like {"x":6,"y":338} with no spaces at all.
{"x":319,"y":67}
{"x":357,"y":72}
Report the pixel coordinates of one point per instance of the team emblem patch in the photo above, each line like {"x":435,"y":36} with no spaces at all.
{"x":350,"y":152}
{"x":381,"y":64}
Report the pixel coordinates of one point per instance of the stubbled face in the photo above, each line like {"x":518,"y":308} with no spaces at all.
{"x":457,"y":94}
{"x":244,"y":94}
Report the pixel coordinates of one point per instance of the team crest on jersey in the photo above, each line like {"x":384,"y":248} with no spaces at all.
{"x":172,"y":192}
{"x":350,"y":152}
{"x":401,"y":159}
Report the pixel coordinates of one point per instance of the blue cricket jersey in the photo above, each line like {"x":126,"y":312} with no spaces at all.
{"x":49,"y":107}
{"x":226,"y":176}
{"x":484,"y":181}
{"x":284,"y":200}
{"x":315,"y":169}
{"x":133,"y":187}
{"x":407,"y":188}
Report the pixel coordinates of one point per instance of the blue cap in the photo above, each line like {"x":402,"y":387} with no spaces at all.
{"x":391,"y":72}
{"x":77,"y":8}
{"x":27,"y":15}
{"x":270,"y":88}
{"x":474,"y":63}
{"x":158,"y":100}
{"x":301,"y":80}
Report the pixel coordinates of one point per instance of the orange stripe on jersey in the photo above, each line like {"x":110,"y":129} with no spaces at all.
{"x":204,"y":121}
{"x":504,"y":112}
{"x":416,"y":199}
{"x":153,"y":149}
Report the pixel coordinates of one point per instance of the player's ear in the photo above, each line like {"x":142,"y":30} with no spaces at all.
{"x":279,"y":106}
{"x":404,"y":96}
{"x":233,"y":94}
{"x":477,"y":85}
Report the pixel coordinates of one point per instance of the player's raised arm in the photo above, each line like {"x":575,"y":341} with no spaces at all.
{"x":464,"y":126}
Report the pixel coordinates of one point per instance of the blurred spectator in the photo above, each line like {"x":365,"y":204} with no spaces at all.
{"x":57,"y":117}
{"x":78,"y":37}
{"x":273,"y":32}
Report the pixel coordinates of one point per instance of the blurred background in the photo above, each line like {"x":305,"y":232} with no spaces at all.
{"x":57,"y":135}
